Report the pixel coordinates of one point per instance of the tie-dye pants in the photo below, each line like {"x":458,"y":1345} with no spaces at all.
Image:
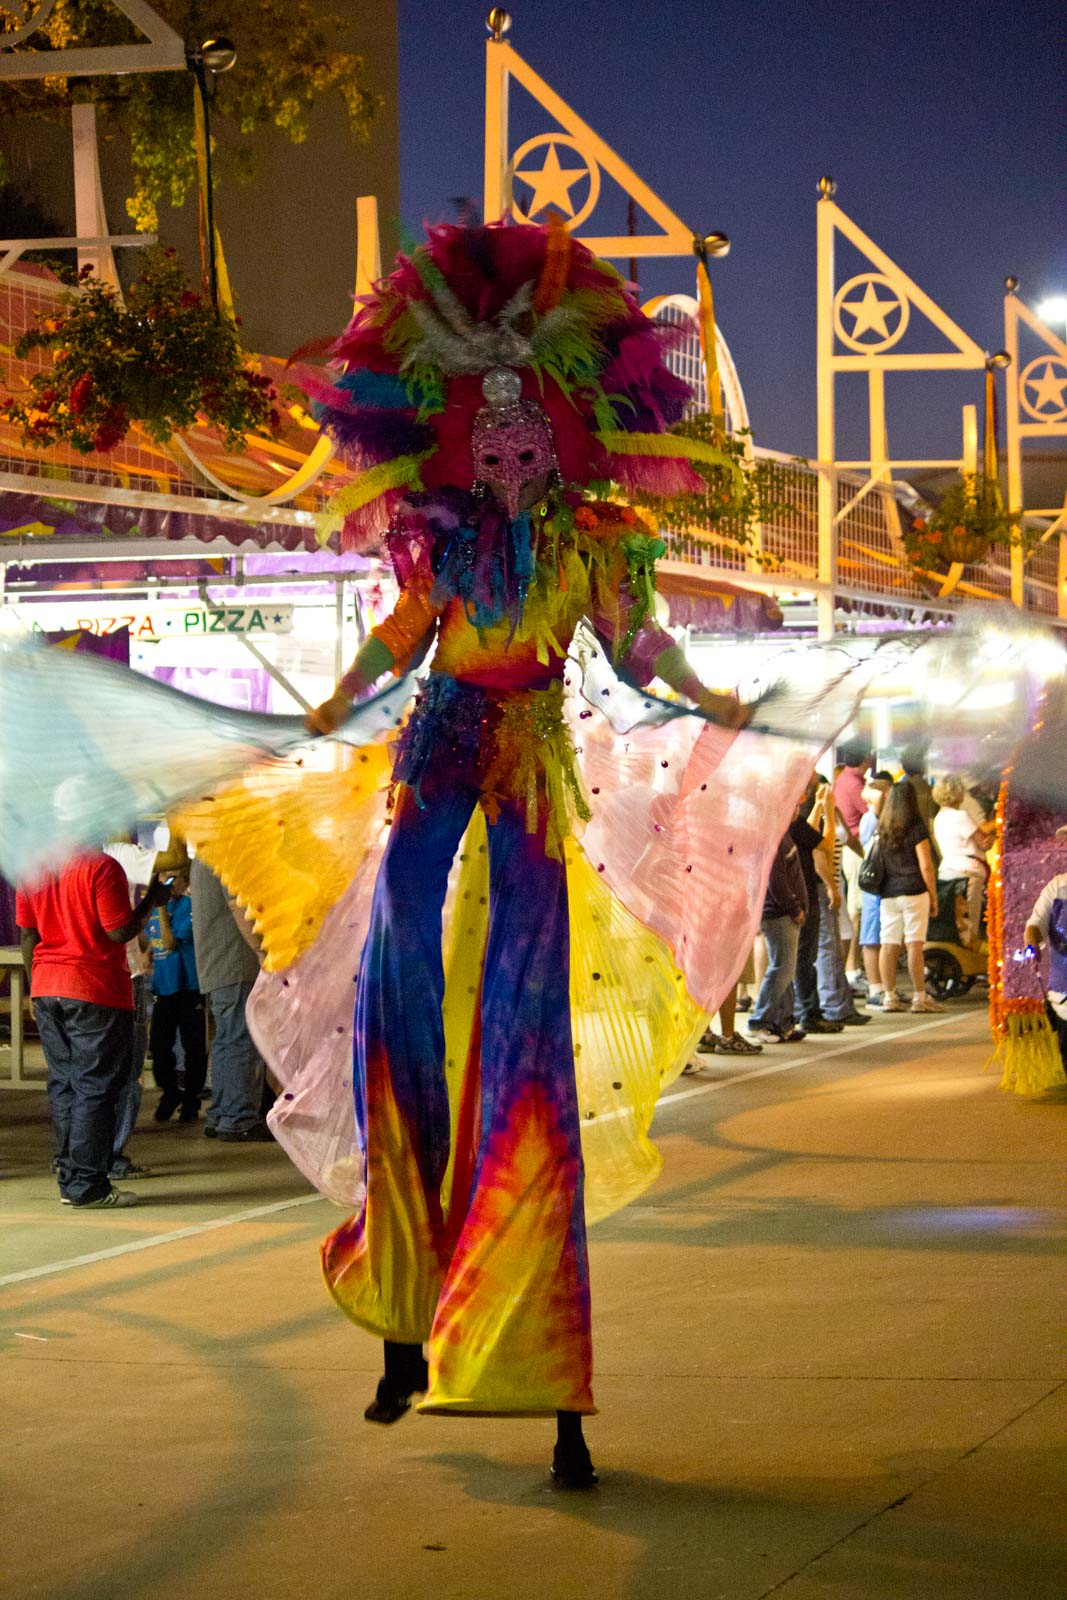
{"x":472,"y":1233}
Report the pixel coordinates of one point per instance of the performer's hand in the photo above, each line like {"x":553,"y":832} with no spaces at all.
{"x":330,"y":715}
{"x":725,"y":709}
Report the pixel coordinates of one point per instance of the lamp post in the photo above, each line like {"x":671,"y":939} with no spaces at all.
{"x":214,"y":56}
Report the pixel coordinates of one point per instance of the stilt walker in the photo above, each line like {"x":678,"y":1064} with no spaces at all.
{"x":500,"y":370}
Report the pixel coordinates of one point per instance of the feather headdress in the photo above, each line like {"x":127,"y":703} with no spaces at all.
{"x":401,"y":403}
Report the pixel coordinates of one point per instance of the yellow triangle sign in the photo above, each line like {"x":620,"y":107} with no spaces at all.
{"x":871,"y":311}
{"x":1038,"y":388}
{"x":562,"y":170}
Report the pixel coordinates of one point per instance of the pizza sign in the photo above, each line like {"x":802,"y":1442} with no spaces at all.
{"x":167,"y":622}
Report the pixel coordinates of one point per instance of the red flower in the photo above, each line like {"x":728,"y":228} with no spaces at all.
{"x":112,"y":430}
{"x":81,"y":392}
{"x":47,"y":400}
{"x":190,"y":299}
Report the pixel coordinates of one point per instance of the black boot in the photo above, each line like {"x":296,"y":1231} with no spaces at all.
{"x":406,"y":1373}
{"x":572,"y":1466}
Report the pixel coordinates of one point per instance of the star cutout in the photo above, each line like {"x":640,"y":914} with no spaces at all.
{"x":552,"y":185}
{"x":1047,"y":390}
{"x":871,"y":314}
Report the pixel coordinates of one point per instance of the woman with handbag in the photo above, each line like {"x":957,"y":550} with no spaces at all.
{"x":901,"y":857}
{"x":870,"y":930}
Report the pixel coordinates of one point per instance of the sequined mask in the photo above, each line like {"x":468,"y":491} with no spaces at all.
{"x":511,"y":439}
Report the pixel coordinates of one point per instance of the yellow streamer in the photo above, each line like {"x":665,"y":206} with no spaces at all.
{"x":222,"y":276}
{"x":708,"y":345}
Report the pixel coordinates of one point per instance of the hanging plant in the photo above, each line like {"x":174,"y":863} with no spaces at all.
{"x":739,"y":495}
{"x":161,"y":360}
{"x":963,"y":527}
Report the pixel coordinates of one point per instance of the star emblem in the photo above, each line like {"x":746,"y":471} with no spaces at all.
{"x":552,"y":184}
{"x":871,"y":314}
{"x":1043,"y":390}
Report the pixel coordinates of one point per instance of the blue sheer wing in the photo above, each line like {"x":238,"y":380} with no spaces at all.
{"x":88,"y":747}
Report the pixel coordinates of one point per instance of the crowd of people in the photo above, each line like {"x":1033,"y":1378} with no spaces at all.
{"x":868,"y":859}
{"x":98,"y":963}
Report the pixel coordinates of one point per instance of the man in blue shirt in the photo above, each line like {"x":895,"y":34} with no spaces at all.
{"x":178,"y":1009}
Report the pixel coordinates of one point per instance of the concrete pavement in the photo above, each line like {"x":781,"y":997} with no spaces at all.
{"x":829,"y":1347}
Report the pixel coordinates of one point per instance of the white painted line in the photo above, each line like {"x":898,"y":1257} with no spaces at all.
{"x":802,"y":1061}
{"x":38,"y":1338}
{"x":157,"y":1239}
{"x":199,"y":1228}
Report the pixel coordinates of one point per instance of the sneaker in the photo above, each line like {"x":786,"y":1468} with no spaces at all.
{"x":258,"y":1133}
{"x":130,"y":1169}
{"x":210,"y":1131}
{"x":792,"y":1035}
{"x":762,"y":1036}
{"x":892,"y":1002}
{"x":691,"y":1068}
{"x":733,"y":1044}
{"x":854,"y":1019}
{"x":875,"y":998}
{"x":824,"y":1025}
{"x":107,"y":1202}
{"x":923,"y":1002}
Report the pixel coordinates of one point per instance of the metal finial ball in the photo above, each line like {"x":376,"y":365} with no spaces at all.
{"x":1011,"y":283}
{"x":714,"y":244}
{"x":827,"y":187}
{"x":218,"y":55}
{"x":998,"y":360}
{"x":501,"y":386}
{"x":498,"y":22}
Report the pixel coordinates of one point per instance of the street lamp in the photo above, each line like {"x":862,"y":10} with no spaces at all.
{"x":1054,"y":310}
{"x":214,"y":56}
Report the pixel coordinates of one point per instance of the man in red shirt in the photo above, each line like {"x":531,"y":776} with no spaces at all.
{"x":73,"y":930}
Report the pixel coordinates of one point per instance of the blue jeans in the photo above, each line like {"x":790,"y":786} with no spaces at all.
{"x":130,"y":1098}
{"x":87,"y":1051}
{"x":835,"y":996}
{"x":236,"y":1064}
{"x":774,"y":1003}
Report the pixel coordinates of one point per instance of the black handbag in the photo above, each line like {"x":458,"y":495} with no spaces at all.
{"x":871,"y":877}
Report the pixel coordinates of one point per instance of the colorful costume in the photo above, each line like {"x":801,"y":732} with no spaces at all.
{"x":472,"y":1231}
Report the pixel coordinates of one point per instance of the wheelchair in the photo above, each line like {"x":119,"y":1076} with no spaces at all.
{"x":952,"y":965}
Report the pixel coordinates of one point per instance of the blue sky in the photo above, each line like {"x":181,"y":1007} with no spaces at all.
{"x":941,"y":123}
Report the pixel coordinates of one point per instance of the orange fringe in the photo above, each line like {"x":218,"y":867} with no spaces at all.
{"x":553,"y":279}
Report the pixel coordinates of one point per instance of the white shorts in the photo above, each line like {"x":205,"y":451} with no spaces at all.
{"x":852,"y":899}
{"x":905,"y":918}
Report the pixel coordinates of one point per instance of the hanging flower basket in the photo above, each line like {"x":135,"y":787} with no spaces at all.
{"x":962,"y":529}
{"x":161,"y":360}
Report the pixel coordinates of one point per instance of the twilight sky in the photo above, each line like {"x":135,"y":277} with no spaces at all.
{"x":941,"y":123}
